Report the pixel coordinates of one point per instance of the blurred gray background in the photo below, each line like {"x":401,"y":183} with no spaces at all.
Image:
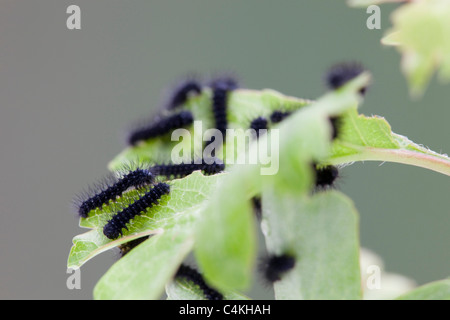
{"x":66,"y":96}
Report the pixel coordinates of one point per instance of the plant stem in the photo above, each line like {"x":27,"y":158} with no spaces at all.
{"x":434,"y":163}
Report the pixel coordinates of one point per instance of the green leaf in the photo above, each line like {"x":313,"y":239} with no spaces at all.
{"x":371,"y":139}
{"x":183,"y":289}
{"x":145,"y":270}
{"x":321,"y":232}
{"x":421,"y":33}
{"x":438,"y":290}
{"x":226,"y":238}
{"x":181,"y":206}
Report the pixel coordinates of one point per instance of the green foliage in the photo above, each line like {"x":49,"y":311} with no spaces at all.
{"x":322,"y":232}
{"x":438,"y":290}
{"x":421,"y":33}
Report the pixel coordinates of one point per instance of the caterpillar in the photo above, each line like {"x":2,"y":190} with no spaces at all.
{"x":340,"y":74}
{"x":113,"y":228}
{"x":278,"y":116}
{"x":184,"y":169}
{"x":326,"y":176}
{"x":220,"y":89}
{"x":110,"y":190}
{"x":193,"y":275}
{"x":161,"y":127}
{"x":336,"y":124}
{"x":126,"y":247}
{"x":273,"y":267}
{"x":257,"y":124}
{"x":257,"y":206}
{"x":182,"y":92}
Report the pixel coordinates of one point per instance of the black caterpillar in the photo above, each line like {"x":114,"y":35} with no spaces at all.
{"x":112,"y":190}
{"x":184,"y":169}
{"x":326,"y":176}
{"x":278,"y":116}
{"x":274,"y":267}
{"x":161,"y":127}
{"x":342,"y":73}
{"x":257,"y":124}
{"x":182,"y":93}
{"x":113,"y":228}
{"x":220,"y":89}
{"x":126,"y":247}
{"x":193,"y":275}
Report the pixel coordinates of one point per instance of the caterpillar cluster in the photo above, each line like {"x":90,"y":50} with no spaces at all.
{"x":135,"y":179}
{"x":165,"y":124}
{"x":161,"y":126}
{"x":174,"y":117}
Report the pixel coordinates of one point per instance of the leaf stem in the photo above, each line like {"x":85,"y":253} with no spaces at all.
{"x":403,"y":156}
